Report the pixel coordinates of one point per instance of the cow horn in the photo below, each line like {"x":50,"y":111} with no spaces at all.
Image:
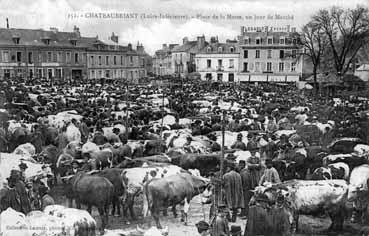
{"x":139,"y":229}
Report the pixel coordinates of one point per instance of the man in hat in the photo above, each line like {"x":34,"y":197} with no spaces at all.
{"x":270,"y":174}
{"x":219,"y":224}
{"x":203,"y":228}
{"x":46,"y":199}
{"x":239,"y":144}
{"x":246,"y":187}
{"x":233,"y":191}
{"x":254,"y":167}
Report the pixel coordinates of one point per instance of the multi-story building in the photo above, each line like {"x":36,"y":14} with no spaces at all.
{"x":109,"y":60}
{"x":33,"y":53}
{"x":162,"y":60}
{"x":51,"y":54}
{"x":267,"y":55}
{"x":218,"y":61}
{"x":183,"y":56}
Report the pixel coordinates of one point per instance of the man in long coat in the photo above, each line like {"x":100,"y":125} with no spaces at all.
{"x":233,"y":191}
{"x":246,"y":187}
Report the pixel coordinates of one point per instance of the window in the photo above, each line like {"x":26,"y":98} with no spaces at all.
{"x":220,"y":77}
{"x":231,"y":49}
{"x":16,"y":40}
{"x":39,"y":57}
{"x":231,"y":63}
{"x":269,"y":66}
{"x":59,"y":57}
{"x":115,"y":60}
{"x":293,"y":66}
{"x":100,"y":74}
{"x":230,"y":77}
{"x":19,"y":56}
{"x":92,"y":61}
{"x":269,"y":53}
{"x":245,"y":54}
{"x":5,"y":56}
{"x":58,"y":73}
{"x":220,"y":49}
{"x":30,"y":58}
{"x":246,"y":41}
{"x":245,"y":67}
{"x":100,"y":60}
{"x":76,"y":58}
{"x":121,"y":60}
{"x":257,"y":66}
{"x":281,"y":54}
{"x":220,"y":63}
{"x":257,"y":54}
{"x":31,"y":73}
{"x":208,"y":49}
{"x":294,"y":52}
{"x":107,"y":60}
{"x":208,"y":76}
{"x":107,"y":73}
{"x":257,"y":40}
{"x":92,"y":74}
{"x":270,"y":40}
{"x":281,"y":67}
{"x":47,"y":41}
{"x":131,"y":59}
{"x":208,"y":63}
{"x":281,"y":41}
{"x":68,"y":57}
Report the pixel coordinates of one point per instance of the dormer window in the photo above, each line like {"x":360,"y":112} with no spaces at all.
{"x":46,"y":41}
{"x":231,"y":49}
{"x":73,"y":42}
{"x":220,"y":49}
{"x":16,"y":40}
{"x":257,"y":41}
{"x":246,"y":41}
{"x":208,"y":49}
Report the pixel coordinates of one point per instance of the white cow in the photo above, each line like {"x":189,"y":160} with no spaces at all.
{"x":72,"y":133}
{"x":358,"y":181}
{"x":13,"y":223}
{"x":26,"y":149}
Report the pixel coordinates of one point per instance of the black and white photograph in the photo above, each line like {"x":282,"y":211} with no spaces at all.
{"x":184,"y":118}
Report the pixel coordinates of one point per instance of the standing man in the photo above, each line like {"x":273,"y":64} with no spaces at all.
{"x":246,"y":187}
{"x":219,"y":224}
{"x":233,"y":191}
{"x":270,"y":174}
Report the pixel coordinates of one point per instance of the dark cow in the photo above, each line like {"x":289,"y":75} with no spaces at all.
{"x":92,"y":190}
{"x":337,"y":170}
{"x":205,"y":163}
{"x":286,"y":169}
{"x":114,"y":176}
{"x":170,"y":191}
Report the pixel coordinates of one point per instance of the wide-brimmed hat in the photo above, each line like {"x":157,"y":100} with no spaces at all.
{"x":202,"y":225}
{"x":235,"y":229}
{"x":23,"y":166}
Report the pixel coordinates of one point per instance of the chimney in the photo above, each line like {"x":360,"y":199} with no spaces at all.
{"x":114,"y":38}
{"x":76,"y":31}
{"x":7,"y":23}
{"x":200,"y":42}
{"x":214,"y":39}
{"x":130,"y":46}
{"x":242,"y":30}
{"x":54,"y":29}
{"x":140,"y":48}
{"x":185,"y":40}
{"x":164,"y":46}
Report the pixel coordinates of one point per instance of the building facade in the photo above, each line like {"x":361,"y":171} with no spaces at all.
{"x":51,"y":54}
{"x":183,"y":56}
{"x":218,"y":62}
{"x":267,"y":55}
{"x":162,"y":60}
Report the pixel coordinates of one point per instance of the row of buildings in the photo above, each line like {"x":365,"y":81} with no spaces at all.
{"x":38,"y":53}
{"x":257,"y":55}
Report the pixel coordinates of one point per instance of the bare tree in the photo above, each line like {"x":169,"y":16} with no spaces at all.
{"x":313,"y":40}
{"x":347,"y":31}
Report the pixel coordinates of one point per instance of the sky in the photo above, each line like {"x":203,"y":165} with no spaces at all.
{"x":156,"y":22}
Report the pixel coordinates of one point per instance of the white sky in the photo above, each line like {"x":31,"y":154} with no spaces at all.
{"x":153,"y":33}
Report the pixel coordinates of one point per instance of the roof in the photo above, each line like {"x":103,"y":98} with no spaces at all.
{"x":264,"y":36}
{"x":363,"y":67}
{"x":190,"y":47}
{"x":35,"y":37}
{"x":213,"y":48}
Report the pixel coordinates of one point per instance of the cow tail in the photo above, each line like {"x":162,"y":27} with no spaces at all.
{"x":147,"y":199}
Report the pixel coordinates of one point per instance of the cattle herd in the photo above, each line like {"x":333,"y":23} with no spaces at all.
{"x":109,"y":146}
